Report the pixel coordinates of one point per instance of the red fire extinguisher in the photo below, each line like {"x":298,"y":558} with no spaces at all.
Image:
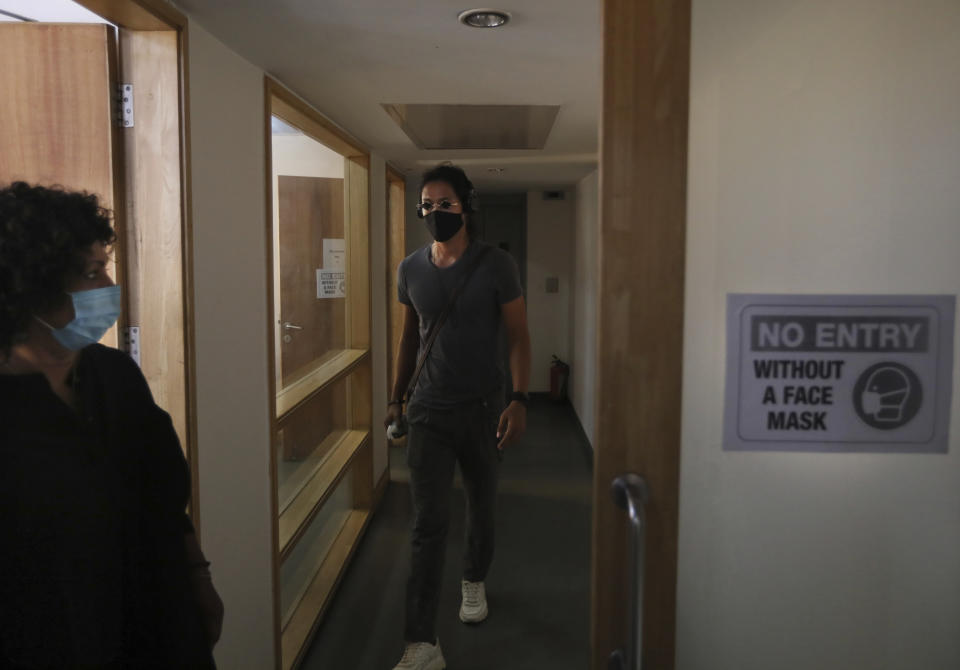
{"x":559,"y":372}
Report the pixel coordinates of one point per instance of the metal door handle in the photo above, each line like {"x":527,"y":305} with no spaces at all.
{"x":630,"y":492}
{"x":291,"y":326}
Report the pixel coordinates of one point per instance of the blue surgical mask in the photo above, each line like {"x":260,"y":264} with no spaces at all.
{"x":95,"y":313}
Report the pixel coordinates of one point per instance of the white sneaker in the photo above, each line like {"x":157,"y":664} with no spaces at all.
{"x":473,"y":607}
{"x":421,"y":656}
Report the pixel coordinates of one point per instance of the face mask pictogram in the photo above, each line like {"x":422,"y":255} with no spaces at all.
{"x":887,"y":395}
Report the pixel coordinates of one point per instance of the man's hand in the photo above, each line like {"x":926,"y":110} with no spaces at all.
{"x":513,"y":423}
{"x":394,"y":412}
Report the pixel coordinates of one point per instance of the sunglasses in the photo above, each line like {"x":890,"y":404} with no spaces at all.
{"x":427,"y":206}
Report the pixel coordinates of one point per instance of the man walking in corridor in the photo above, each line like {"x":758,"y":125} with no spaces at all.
{"x":457,"y":293}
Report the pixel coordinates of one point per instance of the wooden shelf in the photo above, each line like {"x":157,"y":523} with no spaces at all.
{"x":332,"y":368}
{"x":317,"y":596}
{"x":296,"y":515}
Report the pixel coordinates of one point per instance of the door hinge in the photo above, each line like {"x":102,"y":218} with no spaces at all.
{"x":131,"y":342}
{"x":124,"y":102}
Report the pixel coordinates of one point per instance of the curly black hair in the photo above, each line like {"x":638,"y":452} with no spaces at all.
{"x":457,"y":179}
{"x":43,"y":234}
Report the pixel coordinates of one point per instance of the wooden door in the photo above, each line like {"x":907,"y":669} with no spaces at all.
{"x":311,"y":328}
{"x":56,"y":120}
{"x":640,"y":312}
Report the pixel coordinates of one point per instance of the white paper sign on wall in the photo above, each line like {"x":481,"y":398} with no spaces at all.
{"x":334,"y":254}
{"x":331,"y":283}
{"x":839,"y":373}
{"x":332,"y":277}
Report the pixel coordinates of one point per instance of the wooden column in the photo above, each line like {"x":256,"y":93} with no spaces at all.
{"x":153,"y":249}
{"x":396,"y":252}
{"x":640,"y":310}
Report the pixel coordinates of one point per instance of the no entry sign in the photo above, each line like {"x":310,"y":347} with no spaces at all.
{"x":838,"y":373}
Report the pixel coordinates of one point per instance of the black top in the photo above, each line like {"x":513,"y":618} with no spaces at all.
{"x":465,"y":362}
{"x":93,"y":570}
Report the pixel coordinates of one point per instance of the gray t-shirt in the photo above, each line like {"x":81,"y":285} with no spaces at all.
{"x":464,"y":363}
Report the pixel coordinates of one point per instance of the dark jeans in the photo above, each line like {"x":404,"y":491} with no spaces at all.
{"x":438,"y":439}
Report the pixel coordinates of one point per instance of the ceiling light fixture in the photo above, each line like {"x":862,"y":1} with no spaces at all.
{"x":483,"y":18}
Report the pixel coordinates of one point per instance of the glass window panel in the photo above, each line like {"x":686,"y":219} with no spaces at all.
{"x":321,"y":320}
{"x":310,"y":252}
{"x":301,"y":565}
{"x":306,"y":438}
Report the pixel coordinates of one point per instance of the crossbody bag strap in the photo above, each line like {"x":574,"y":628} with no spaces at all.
{"x":435,"y":329}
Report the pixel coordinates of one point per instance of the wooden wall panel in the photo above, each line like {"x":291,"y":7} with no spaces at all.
{"x":361,"y":409}
{"x":360,"y":397}
{"x":56,"y":110}
{"x":364,"y":490}
{"x":640,"y":331}
{"x":56,"y":118}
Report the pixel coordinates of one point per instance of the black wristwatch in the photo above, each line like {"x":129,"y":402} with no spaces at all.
{"x":521,"y":396}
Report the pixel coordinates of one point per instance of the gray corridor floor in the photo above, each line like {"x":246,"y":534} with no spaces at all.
{"x":538,"y":588}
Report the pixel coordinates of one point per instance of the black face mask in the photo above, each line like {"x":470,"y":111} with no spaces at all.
{"x":443,"y":225}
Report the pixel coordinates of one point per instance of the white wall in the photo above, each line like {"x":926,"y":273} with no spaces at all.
{"x":583,"y":328}
{"x":230,"y":272}
{"x":549,"y":254}
{"x":824,"y":158}
{"x":230,"y":298}
{"x":302,"y":156}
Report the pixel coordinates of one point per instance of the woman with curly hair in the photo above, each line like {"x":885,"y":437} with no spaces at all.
{"x":100,"y":567}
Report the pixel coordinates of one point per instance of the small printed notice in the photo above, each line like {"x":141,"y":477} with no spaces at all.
{"x":839,"y":373}
{"x":331,"y":283}
{"x":332,"y":277}
{"x":334,"y":254}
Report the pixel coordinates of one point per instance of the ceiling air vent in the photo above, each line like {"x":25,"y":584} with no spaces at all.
{"x":475,"y":126}
{"x":554,"y":195}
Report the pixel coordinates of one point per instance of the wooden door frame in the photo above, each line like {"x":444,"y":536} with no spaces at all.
{"x":396,"y":239}
{"x":646,"y":53}
{"x":285,"y":104}
{"x":157,"y":15}
{"x":642,"y":246}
